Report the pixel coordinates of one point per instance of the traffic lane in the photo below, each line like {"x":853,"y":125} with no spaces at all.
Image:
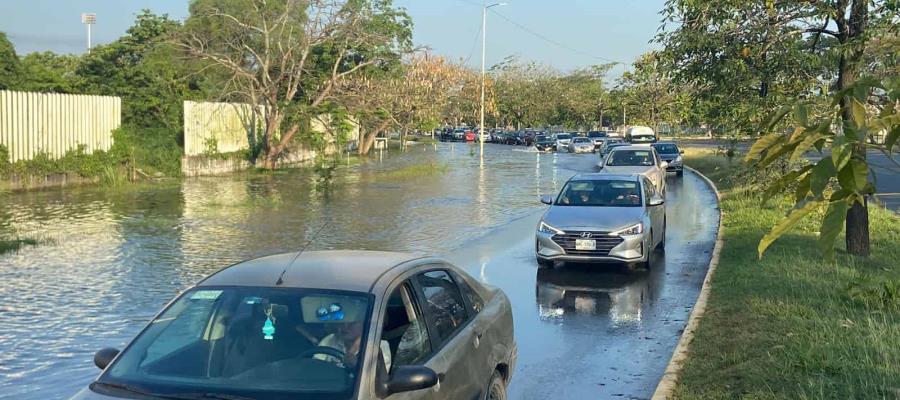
{"x":886,"y":174}
{"x":599,"y":331}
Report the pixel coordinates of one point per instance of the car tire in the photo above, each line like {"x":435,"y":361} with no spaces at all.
{"x":496,"y":389}
{"x":679,"y":172}
{"x":662,"y":243}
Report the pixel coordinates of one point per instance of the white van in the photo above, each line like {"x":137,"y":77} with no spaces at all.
{"x":640,"y":134}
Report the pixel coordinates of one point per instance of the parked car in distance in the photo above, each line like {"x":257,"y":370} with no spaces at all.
{"x":641,"y":160}
{"x":670,"y":153}
{"x":321,"y":325}
{"x":544,"y":143}
{"x":580,"y":144}
{"x":597,"y":138}
{"x":602,"y":218}
{"x":562,"y":141}
{"x":640,"y":134}
{"x":470,"y":135}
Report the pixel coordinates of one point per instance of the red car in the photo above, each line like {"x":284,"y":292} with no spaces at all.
{"x":470,"y":136}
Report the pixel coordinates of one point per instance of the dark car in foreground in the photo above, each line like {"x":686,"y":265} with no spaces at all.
{"x":321,"y":325}
{"x":670,"y":153}
{"x":602,"y":218}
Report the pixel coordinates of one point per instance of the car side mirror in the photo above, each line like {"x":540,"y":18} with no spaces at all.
{"x":406,"y":378}
{"x":546,"y":199}
{"x":657,"y":200}
{"x":681,"y":151}
{"x":103,"y":357}
{"x":664,"y":164}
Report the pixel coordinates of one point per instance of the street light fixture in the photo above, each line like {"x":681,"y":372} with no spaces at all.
{"x":483,"y":47}
{"x":88,"y":19}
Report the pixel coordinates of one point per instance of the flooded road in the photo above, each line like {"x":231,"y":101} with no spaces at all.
{"x":112,"y":258}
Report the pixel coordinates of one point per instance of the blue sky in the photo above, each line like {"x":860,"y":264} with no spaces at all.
{"x":566,"y":34}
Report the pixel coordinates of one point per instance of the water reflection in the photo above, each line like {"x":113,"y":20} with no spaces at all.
{"x":608,"y":291}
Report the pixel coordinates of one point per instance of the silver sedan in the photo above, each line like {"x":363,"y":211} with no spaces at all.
{"x":581,"y":145}
{"x":321,"y":325}
{"x":636,"y":159}
{"x":602,"y":218}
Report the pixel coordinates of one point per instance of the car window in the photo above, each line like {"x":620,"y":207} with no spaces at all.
{"x":666,"y":148}
{"x":476,"y":303}
{"x":256,"y":340}
{"x":404,"y":335}
{"x":443,"y":302}
{"x":600,"y":193}
{"x":631,"y":158}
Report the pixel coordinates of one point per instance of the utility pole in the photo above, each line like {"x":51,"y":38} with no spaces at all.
{"x":483,"y":51}
{"x":88,"y":19}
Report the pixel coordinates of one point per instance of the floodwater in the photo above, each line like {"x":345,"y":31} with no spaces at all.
{"x":112,"y":258}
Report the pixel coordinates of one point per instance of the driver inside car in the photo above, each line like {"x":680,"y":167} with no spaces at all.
{"x":343,"y":333}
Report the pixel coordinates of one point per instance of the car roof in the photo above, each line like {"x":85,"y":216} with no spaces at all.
{"x":333,"y":269}
{"x":594,"y":176}
{"x":664,"y":142}
{"x":631,"y":147}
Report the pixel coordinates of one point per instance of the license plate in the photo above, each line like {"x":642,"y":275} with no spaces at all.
{"x":585,"y":244}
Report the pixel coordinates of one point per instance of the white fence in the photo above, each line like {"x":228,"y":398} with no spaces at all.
{"x":33,"y":123}
{"x":226,"y":125}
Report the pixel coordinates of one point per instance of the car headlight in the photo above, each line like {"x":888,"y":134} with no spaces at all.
{"x":678,"y":159}
{"x":545,"y":228}
{"x":636,"y":229}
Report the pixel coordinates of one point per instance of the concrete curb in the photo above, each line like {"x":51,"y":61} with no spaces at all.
{"x":666,"y":387}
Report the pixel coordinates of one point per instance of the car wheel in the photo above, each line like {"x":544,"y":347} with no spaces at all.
{"x":662,"y":243}
{"x":496,"y":389}
{"x":680,"y":172}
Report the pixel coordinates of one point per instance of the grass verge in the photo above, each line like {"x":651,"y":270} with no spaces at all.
{"x":792,"y":325}
{"x":412,"y":171}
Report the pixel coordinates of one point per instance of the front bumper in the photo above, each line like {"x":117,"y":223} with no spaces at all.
{"x":675,"y":167}
{"x":583,"y":149}
{"x":630,"y":249}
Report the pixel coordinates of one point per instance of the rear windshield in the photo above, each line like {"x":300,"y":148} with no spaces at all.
{"x":250,"y":341}
{"x":596,"y":134}
{"x":600,"y":193}
{"x":630,"y":158}
{"x":666,"y":148}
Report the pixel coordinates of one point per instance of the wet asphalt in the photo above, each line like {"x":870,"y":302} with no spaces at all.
{"x":599,"y":331}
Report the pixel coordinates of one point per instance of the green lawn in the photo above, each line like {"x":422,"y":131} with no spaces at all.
{"x":793,"y":326}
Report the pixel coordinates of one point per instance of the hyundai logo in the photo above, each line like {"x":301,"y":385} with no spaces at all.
{"x":586,"y":234}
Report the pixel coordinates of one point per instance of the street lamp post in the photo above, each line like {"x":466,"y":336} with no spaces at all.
{"x":483,"y":50}
{"x":88,"y":19}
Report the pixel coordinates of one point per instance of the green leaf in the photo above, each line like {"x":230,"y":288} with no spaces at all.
{"x":779,"y":185}
{"x":821,"y":174}
{"x":804,"y":145}
{"x":774,"y":119}
{"x":762,"y":144}
{"x":832,"y":224}
{"x":786,"y":224}
{"x":858,"y":111}
{"x":802,"y":189}
{"x":840,"y":155}
{"x":801,"y":114}
{"x":892,"y":138}
{"x":854,"y":176}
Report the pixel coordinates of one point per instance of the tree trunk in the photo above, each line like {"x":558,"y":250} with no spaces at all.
{"x":269,"y":158}
{"x":857,"y":222}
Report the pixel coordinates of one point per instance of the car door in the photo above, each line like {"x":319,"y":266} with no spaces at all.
{"x":656,"y":213}
{"x":451,"y":333}
{"x":405,"y":335}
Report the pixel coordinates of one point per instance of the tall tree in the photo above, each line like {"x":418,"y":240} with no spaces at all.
{"x":286,"y":57}
{"x":10,"y":67}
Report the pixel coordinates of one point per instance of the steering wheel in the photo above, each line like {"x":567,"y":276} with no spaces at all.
{"x":325,"y":350}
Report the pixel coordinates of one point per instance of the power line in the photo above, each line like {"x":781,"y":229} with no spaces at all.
{"x":553,"y":42}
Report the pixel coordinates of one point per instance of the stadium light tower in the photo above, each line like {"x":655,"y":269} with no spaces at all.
{"x":88,"y":19}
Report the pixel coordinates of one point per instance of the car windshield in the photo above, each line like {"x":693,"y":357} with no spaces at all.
{"x":542,"y":138}
{"x":581,"y":140}
{"x":563,"y":136}
{"x":250,"y":341}
{"x":630,"y":158}
{"x":642,"y":138}
{"x":600,"y":193}
{"x":666,"y":148}
{"x":596,"y":134}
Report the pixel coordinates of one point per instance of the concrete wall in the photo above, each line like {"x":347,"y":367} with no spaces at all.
{"x":229,"y":125}
{"x":31,"y":123}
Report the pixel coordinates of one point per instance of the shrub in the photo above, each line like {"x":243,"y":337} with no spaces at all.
{"x":148,"y":149}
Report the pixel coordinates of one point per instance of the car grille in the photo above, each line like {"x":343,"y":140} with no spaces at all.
{"x":605,"y":243}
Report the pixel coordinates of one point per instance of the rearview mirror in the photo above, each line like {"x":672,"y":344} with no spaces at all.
{"x":546,"y":199}
{"x":406,"y":378}
{"x":103,"y":357}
